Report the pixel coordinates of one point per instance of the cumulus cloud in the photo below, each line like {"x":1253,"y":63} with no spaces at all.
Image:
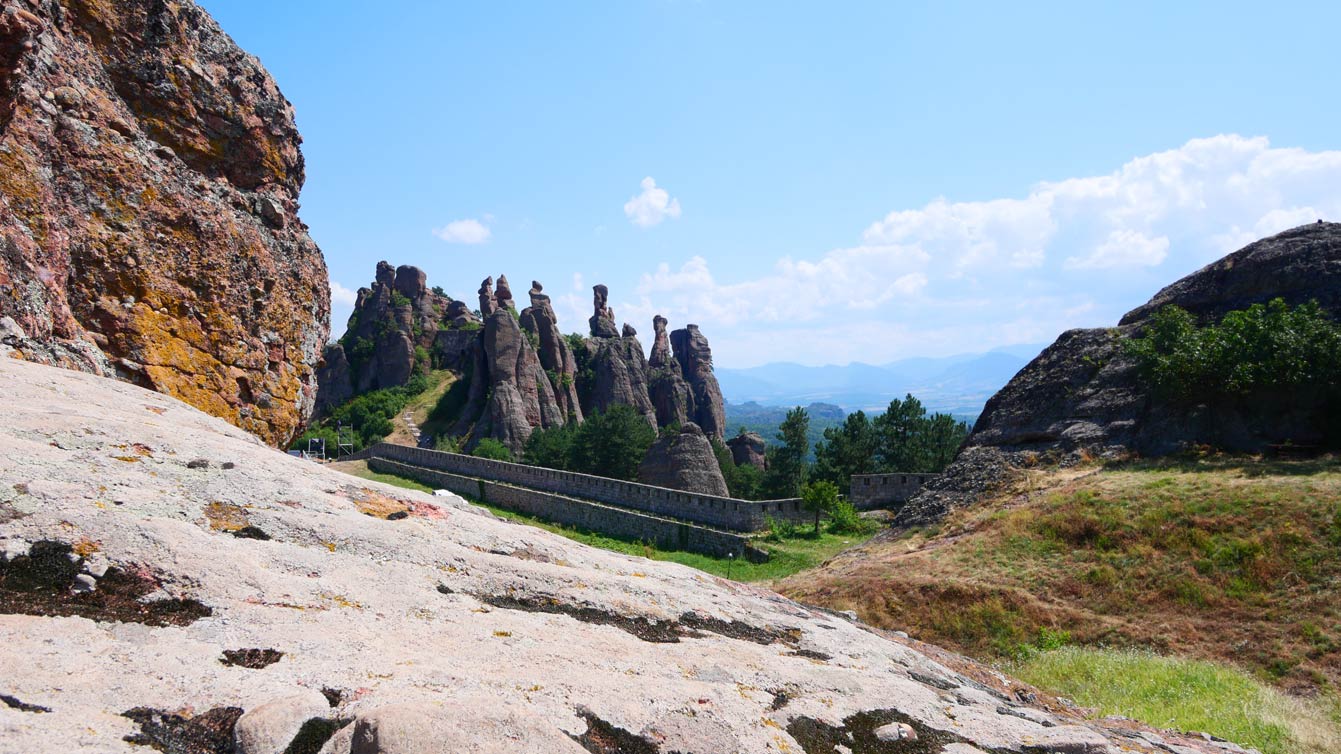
{"x":342,"y":305}
{"x":958,"y":276}
{"x":342,"y":296}
{"x":651,"y":206}
{"x":468,"y":231}
{"x":1123,"y":248}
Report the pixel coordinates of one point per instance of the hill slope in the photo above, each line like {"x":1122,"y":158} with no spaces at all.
{"x":1222,"y":558}
{"x":241,"y":593}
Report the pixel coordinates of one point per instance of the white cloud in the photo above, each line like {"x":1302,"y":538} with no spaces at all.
{"x":1123,"y":248}
{"x":467,"y":231}
{"x":957,"y":276}
{"x":341,"y":295}
{"x":342,"y":305}
{"x":651,"y":206}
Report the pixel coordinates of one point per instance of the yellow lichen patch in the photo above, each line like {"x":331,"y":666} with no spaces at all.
{"x":340,"y":600}
{"x":86,"y":547}
{"x":128,"y":459}
{"x":226,"y":516}
{"x":378,"y":505}
{"x":502,"y":634}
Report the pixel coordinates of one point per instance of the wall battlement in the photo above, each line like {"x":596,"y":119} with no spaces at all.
{"x":720,"y":512}
{"x":871,"y":491}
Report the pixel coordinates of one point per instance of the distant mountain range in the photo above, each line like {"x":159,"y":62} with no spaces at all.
{"x":958,"y":385}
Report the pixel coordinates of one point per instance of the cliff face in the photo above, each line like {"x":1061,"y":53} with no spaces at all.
{"x":149,"y":181}
{"x":1083,"y":394}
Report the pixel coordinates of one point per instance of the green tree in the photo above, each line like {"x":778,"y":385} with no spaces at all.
{"x":611,"y":444}
{"x":550,"y":448}
{"x":847,"y":449}
{"x":819,"y":497}
{"x":899,"y":435}
{"x":943,"y":436}
{"x":742,"y":481}
{"x":787,"y":461}
{"x":492,"y":449}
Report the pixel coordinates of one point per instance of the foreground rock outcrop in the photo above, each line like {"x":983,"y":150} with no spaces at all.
{"x":149,"y":181}
{"x":1084,"y":396}
{"x":167,"y":580}
{"x":684,"y":460}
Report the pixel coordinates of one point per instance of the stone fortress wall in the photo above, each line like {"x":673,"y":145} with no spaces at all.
{"x":720,"y":512}
{"x":664,"y":533}
{"x":870,"y":491}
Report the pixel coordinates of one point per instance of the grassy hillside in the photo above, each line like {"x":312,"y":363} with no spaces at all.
{"x":1236,"y":561}
{"x":420,"y":406}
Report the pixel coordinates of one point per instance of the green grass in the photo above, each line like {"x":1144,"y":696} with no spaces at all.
{"x":788,"y":556}
{"x":1187,"y":695}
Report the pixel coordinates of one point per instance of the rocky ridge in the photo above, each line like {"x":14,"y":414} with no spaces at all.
{"x":521,"y":372}
{"x":209,"y":592}
{"x":149,"y":181}
{"x":1083,"y":396}
{"x":393,"y":327}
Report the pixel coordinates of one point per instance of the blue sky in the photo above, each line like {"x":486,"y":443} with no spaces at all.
{"x":809,"y":182}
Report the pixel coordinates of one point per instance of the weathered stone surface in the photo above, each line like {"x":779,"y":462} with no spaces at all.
{"x":555,"y":356}
{"x":429,"y":634}
{"x":149,"y":180}
{"x":602,"y":322}
{"x":1083,"y":394}
{"x":488,"y":304}
{"x":695,"y":359}
{"x":619,"y":377}
{"x":749,"y":449}
{"x":510,"y":394}
{"x":683,"y":460}
{"x":270,"y":727}
{"x":671,"y":396}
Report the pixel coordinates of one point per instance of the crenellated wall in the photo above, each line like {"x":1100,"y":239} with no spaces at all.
{"x":885,"y":490}
{"x":665,"y":534}
{"x":721,"y":512}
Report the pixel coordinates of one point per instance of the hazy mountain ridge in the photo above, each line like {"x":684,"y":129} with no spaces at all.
{"x":958,"y":385}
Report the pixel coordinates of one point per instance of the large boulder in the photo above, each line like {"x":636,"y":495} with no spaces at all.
{"x":443,"y":629}
{"x":149,"y":180}
{"x":683,"y":460}
{"x":1083,"y":396}
{"x":749,"y":449}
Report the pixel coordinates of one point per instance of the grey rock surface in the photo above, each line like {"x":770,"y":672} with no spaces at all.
{"x":749,"y":449}
{"x":683,"y":461}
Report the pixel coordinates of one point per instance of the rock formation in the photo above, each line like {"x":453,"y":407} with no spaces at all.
{"x":149,"y":181}
{"x":511,"y":394}
{"x":394,"y":324}
{"x":683,"y":460}
{"x":618,"y":376}
{"x":749,"y":449}
{"x":1084,"y":395}
{"x":248,"y":602}
{"x":602,"y":322}
{"x":487,"y":302}
{"x":671,"y":396}
{"x":694,"y":356}
{"x":556,"y":358}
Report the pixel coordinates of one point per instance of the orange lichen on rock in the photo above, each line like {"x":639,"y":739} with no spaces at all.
{"x":148,"y":211}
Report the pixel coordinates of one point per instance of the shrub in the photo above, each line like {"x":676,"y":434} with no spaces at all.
{"x":844,"y":519}
{"x":492,"y":449}
{"x":819,"y":497}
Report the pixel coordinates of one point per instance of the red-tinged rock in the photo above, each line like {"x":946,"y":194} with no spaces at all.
{"x":149,"y":180}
